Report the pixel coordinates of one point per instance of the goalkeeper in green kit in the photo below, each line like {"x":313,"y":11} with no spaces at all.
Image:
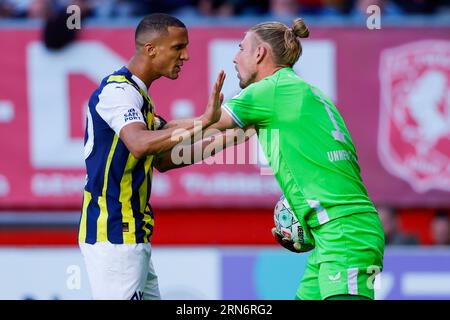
{"x":314,"y":161}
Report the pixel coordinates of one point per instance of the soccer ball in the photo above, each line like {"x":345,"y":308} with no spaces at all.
{"x":287,"y":224}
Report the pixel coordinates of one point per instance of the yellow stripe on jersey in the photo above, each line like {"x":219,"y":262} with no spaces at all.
{"x":117,"y":78}
{"x":102,"y":231}
{"x":82,"y":233}
{"x":126,"y":191}
{"x":150,"y":122}
{"x":126,"y":183}
{"x":147,"y":219}
{"x":143,"y":197}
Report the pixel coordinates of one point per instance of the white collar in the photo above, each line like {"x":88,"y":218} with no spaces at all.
{"x":140,"y":83}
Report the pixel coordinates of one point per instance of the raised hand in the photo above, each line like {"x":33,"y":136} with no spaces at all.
{"x":213,"y":109}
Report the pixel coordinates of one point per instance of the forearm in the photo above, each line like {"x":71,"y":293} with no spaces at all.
{"x":145,"y":142}
{"x":183,"y":132}
{"x":141,"y":141}
{"x":178,"y":123}
{"x":225,"y":122}
{"x":207,"y":131}
{"x":185,"y":155}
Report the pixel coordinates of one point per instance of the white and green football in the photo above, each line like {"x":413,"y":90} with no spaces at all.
{"x":287,"y":224}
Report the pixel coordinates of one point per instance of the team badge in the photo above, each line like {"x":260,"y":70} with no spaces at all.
{"x":414,"y":127}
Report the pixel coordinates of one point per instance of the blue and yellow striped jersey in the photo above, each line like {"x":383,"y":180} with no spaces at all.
{"x":117,"y":191}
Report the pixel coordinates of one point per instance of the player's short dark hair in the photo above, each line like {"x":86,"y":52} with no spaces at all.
{"x":157,"y":22}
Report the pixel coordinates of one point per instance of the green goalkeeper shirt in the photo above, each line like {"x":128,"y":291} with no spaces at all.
{"x":306,"y":144}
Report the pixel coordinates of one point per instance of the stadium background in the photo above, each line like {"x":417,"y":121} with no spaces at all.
{"x":212,"y":236}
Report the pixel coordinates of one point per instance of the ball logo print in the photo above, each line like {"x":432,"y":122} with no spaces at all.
{"x":287,"y":224}
{"x":414,"y":127}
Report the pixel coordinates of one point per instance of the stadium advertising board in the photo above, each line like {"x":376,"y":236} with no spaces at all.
{"x":391,"y":86}
{"x":212,"y":273}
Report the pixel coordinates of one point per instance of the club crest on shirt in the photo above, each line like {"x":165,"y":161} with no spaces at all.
{"x":131,"y":114}
{"x":414,"y":126}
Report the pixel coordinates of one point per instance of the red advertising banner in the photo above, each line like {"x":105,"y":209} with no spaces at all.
{"x":392,"y":87}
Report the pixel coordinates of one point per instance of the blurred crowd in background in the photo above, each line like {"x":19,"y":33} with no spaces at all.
{"x":397,"y":234}
{"x":224,"y":8}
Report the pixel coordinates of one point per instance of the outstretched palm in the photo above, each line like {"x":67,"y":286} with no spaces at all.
{"x":213,"y":109}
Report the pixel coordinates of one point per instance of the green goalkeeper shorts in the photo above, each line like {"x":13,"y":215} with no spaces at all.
{"x":347,"y":257}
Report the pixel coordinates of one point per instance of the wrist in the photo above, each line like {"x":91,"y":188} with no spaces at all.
{"x":204,"y":121}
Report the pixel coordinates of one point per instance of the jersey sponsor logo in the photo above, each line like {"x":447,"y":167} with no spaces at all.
{"x":340,"y":155}
{"x":414,"y":127}
{"x":131,"y":114}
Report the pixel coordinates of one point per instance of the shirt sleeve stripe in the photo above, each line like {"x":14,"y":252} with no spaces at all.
{"x":233,"y":115}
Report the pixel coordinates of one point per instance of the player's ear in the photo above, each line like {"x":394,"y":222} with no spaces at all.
{"x":150,"y":50}
{"x":260,"y":52}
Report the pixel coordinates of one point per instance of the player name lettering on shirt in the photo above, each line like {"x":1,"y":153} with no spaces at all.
{"x":131,"y":114}
{"x":339,"y":155}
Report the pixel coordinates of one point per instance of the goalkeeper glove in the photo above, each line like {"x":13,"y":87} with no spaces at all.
{"x":296,"y":247}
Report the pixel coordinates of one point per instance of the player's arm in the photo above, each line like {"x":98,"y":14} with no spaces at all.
{"x":225,"y":122}
{"x":203,"y":149}
{"x":140,"y":141}
{"x":248,"y":108}
{"x":251,"y":107}
{"x":211,"y":140}
{"x":178,"y":123}
{"x":241,"y":111}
